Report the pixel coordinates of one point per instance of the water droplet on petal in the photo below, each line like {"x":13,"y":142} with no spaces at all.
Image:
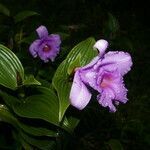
{"x":118,"y":91}
{"x":92,"y":85}
{"x":105,"y":104}
{"x":95,"y":66}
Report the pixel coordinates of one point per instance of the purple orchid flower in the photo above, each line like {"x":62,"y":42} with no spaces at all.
{"x":104,"y":74}
{"x":47,"y":46}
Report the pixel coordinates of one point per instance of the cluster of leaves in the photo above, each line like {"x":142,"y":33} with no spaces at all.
{"x":26,"y":98}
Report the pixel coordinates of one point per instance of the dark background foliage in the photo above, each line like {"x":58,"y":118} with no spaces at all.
{"x":125,"y":24}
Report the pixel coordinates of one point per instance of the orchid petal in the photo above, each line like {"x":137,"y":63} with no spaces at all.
{"x":89,"y":77}
{"x":92,"y":63}
{"x":120,"y":60}
{"x":43,"y":56}
{"x":79,"y":94}
{"x":120,"y":91}
{"x":34,"y":48}
{"x":112,"y":89}
{"x":101,"y":45}
{"x":105,"y":99}
{"x":55,"y":38}
{"x":42,"y":32}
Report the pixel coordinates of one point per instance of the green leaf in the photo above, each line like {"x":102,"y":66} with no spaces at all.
{"x":4,"y":10}
{"x":70,"y":123}
{"x":25,"y":145}
{"x":6,"y":116}
{"x":30,"y":80}
{"x":11,"y":69}
{"x":8,"y":99}
{"x":43,"y":105}
{"x":24,"y":15}
{"x":115,"y":144}
{"x":37,"y":131}
{"x":111,"y":26}
{"x":61,"y":77}
{"x":74,"y":64}
{"x":42,"y":144}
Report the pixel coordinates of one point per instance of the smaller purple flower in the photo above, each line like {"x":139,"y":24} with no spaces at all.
{"x":47,"y":46}
{"x":104,"y":74}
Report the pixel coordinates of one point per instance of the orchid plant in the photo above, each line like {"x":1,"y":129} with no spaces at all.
{"x":104,"y":74}
{"x":39,"y":113}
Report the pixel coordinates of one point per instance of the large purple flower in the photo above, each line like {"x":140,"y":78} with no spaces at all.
{"x":104,"y":74}
{"x":47,"y":46}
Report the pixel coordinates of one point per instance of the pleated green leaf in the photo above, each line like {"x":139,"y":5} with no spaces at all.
{"x":30,"y":80}
{"x":61,"y":81}
{"x":40,"y":143}
{"x":70,"y":123}
{"x":43,"y":105}
{"x":37,"y":131}
{"x":11,"y":69}
{"x":8,"y":117}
